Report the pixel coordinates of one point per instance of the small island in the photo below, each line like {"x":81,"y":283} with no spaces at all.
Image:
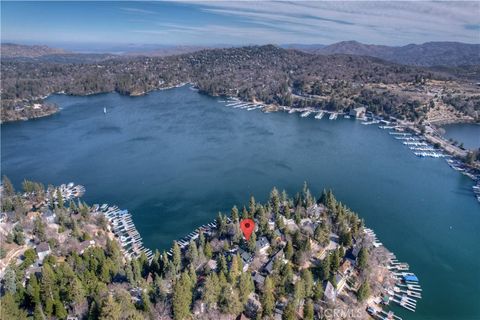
{"x":307,"y":258}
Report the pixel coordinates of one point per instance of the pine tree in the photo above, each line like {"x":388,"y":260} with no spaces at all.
{"x":208,"y":250}
{"x":289,"y":312}
{"x":252,"y":206}
{"x":268,"y":298}
{"x":251,"y":243}
{"x":334,"y":262}
{"x":192,"y":253}
{"x":233,"y":271}
{"x":9,"y":308}
{"x":318,"y":291}
{"x":110,"y":309}
{"x":362,"y":258}
{"x":308,"y":310}
{"x":286,"y":211}
{"x":222,"y":264}
{"x":245,"y":286}
{"x":60,"y":202}
{"x":234,"y":214}
{"x":211,"y":290}
{"x":363,"y":292}
{"x":8,"y":188}
{"x":275,"y":201}
{"x":299,"y":291}
{"x":307,"y":278}
{"x":229,"y":302}
{"x":177,"y":255}
{"x":182,"y":297}
{"x":289,"y":250}
{"x":33,"y":291}
{"x":324,"y":271}
{"x":10,"y":281}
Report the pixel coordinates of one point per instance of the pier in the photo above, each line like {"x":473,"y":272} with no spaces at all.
{"x":68,"y":191}
{"x":121,"y":224}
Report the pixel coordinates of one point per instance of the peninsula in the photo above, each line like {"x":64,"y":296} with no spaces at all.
{"x":306,"y":259}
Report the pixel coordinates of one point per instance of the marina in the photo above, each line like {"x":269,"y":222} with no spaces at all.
{"x":121,"y":224}
{"x":404,"y":292}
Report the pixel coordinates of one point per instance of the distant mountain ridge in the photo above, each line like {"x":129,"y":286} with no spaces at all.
{"x":12,"y":50}
{"x":426,"y":54}
{"x":446,"y":54}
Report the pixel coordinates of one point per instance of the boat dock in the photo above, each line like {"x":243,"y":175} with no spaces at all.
{"x":68,"y":191}
{"x":333,"y":116}
{"x":122,"y":226}
{"x":205,"y":229}
{"x":319,"y":115}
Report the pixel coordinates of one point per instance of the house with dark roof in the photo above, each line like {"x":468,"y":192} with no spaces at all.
{"x":258,"y":280}
{"x":43,"y":250}
{"x":269,"y":266}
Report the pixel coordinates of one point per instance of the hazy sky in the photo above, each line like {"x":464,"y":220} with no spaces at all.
{"x":237,"y":23}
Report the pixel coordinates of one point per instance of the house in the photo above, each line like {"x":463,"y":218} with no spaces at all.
{"x":262,"y":245}
{"x":333,"y":243}
{"x":352,"y":254}
{"x":247,"y":258}
{"x":340,"y":281}
{"x":43,"y":250}
{"x":345,"y":267}
{"x":330,"y":294}
{"x":212,"y":264}
{"x":259,"y":280}
{"x":253,"y":306}
{"x":269,"y":266}
{"x":358,"y":112}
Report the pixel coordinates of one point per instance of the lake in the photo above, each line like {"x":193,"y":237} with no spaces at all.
{"x":175,"y":158}
{"x":466,"y":133}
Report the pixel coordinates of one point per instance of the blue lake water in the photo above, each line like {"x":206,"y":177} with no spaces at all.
{"x":466,"y":133}
{"x":175,"y":158}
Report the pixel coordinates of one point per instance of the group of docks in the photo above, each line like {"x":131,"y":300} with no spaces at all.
{"x":124,"y":229}
{"x":205,"y":229}
{"x":407,"y":288}
{"x":68,"y":191}
{"x":419,"y":147}
{"x":235,"y":103}
{"x":306,"y":112}
{"x":373,"y":236}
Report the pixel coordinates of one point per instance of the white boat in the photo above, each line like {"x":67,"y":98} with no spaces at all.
{"x":105,"y":110}
{"x":305,"y":114}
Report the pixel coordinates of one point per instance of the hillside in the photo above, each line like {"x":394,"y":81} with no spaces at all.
{"x":426,"y":54}
{"x":268,"y":73}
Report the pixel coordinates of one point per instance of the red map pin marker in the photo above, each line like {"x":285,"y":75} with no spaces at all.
{"x":247,"y":226}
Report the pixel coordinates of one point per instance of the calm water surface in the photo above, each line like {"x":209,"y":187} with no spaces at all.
{"x":466,"y":133}
{"x":175,"y":158}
